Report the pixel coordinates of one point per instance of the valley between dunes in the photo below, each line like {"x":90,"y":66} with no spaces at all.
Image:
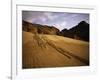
{"x":43,"y":51}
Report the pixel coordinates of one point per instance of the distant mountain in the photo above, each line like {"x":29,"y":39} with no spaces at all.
{"x":41,"y":29}
{"x":80,"y":31}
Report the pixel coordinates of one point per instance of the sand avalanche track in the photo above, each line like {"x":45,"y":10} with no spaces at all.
{"x":40,"y":51}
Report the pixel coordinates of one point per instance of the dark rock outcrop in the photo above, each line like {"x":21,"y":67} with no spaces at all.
{"x":80,"y":31}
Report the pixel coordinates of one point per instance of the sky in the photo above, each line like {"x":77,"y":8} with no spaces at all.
{"x":60,"y":20}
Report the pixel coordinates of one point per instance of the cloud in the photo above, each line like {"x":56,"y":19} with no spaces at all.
{"x":60,"y":20}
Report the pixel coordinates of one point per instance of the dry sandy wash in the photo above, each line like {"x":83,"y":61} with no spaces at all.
{"x":42,"y":51}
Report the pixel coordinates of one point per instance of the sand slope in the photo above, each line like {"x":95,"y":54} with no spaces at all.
{"x":41,"y":51}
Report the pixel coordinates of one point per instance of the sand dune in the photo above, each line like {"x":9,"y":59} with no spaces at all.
{"x":40,"y":51}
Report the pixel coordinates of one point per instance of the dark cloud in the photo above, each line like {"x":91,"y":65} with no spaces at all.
{"x":58,"y":19}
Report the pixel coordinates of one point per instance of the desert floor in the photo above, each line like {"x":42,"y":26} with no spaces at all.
{"x":42,"y":51}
